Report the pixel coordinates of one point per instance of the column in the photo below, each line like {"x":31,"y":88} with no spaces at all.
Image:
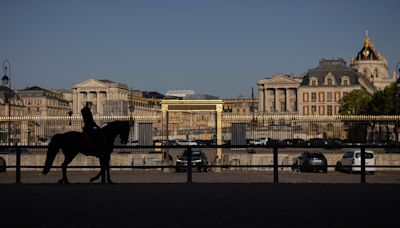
{"x":261,"y":98}
{"x":264,"y":100}
{"x":98,"y":102}
{"x":275,"y":99}
{"x":286,"y":100}
{"x":296,"y":107}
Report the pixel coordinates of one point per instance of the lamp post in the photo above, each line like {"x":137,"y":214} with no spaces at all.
{"x":132,"y":119}
{"x":396,"y":101}
{"x":6,"y":80}
{"x":70,"y":115}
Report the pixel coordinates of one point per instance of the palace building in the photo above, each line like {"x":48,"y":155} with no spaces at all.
{"x":320,"y":90}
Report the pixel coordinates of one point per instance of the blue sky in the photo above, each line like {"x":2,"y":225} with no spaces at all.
{"x":212,"y":46}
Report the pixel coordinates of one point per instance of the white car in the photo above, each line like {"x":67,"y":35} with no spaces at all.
{"x":351,"y":161}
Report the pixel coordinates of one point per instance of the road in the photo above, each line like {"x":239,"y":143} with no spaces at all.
{"x":200,"y":205}
{"x":217,"y":176}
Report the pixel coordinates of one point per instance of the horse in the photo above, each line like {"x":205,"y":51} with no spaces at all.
{"x":71,"y":143}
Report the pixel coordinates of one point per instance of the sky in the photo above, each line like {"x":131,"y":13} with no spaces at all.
{"x":218,"y":47}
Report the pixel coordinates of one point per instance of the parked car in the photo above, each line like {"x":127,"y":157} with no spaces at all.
{"x":317,"y":142}
{"x":199,"y":161}
{"x":14,"y":151}
{"x":294,"y":142}
{"x":352,"y":158}
{"x":311,"y":161}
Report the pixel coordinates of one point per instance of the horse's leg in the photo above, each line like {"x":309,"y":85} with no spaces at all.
{"x":101,"y":169}
{"x":107,"y":168}
{"x":67,"y":159}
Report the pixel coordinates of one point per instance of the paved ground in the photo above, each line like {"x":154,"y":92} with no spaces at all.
{"x":224,"y":176}
{"x":200,"y":205}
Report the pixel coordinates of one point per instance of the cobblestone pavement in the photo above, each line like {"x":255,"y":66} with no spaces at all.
{"x":222,"y":176}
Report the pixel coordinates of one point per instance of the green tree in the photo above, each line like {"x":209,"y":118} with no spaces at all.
{"x":355,"y":103}
{"x":384,"y":101}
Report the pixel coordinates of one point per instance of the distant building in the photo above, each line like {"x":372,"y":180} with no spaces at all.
{"x":43,"y":102}
{"x":182,"y":94}
{"x":14,"y":106}
{"x":279,"y":94}
{"x":324,"y":86}
{"x":372,"y":65}
{"x":108,"y":97}
{"x":320,"y":90}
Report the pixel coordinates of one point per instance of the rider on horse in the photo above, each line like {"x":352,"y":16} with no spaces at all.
{"x":90,"y":125}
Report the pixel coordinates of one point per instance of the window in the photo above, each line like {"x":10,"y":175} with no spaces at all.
{"x":329,"y":96}
{"x":313,"y":110}
{"x":305,"y":110}
{"x":329,"y":81}
{"x":305,"y":97}
{"x":345,"y":81}
{"x":329,"y":110}
{"x":283,"y":106}
{"x":321,"y":97}
{"x":313,"y":97}
{"x":313,"y":81}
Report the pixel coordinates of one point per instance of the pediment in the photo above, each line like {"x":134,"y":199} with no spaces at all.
{"x":90,"y":83}
{"x":281,"y":79}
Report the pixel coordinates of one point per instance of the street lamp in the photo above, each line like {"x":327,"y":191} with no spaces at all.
{"x":396,"y":100}
{"x":70,"y":115}
{"x":131,"y":110}
{"x":6,"y":80}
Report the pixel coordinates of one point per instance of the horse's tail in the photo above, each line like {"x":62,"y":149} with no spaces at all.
{"x":54,"y":147}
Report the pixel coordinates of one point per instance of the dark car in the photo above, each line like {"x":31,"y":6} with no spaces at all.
{"x":317,"y":142}
{"x":309,"y":161}
{"x":14,"y":151}
{"x":199,"y":161}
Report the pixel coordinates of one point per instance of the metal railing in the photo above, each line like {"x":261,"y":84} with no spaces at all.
{"x":275,"y":165}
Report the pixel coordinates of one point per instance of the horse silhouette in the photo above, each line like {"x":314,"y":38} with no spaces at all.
{"x":71,"y":143}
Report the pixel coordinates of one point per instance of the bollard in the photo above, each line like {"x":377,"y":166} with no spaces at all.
{"x":189,"y":165}
{"x":18,"y":165}
{"x":362,"y":165}
{"x":276,"y":177}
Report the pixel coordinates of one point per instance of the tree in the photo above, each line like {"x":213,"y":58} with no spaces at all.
{"x":355,"y":103}
{"x":383,"y":102}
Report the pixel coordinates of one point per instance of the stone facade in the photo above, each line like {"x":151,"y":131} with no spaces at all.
{"x":323,"y":87}
{"x":42,"y":102}
{"x":104,"y":94}
{"x":278,"y":95}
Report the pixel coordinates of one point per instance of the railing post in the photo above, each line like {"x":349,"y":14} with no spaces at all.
{"x":103,"y":171}
{"x":276,"y":177}
{"x":189,"y":165}
{"x":18,"y":165}
{"x":362,"y":164}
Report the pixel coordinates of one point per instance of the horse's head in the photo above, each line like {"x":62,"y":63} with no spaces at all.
{"x":120,"y":128}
